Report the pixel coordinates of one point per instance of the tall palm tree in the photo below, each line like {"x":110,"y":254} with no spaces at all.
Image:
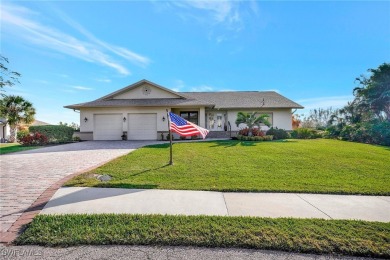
{"x":16,"y":110}
{"x":251,"y":120}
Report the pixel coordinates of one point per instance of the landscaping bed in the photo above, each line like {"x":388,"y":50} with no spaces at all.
{"x":308,"y":166}
{"x":346,"y":237}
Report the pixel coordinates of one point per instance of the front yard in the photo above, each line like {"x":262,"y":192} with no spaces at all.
{"x":314,"y":166}
{"x":14,"y":147}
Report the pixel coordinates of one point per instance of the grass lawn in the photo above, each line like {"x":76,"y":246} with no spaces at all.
{"x":14,"y":147}
{"x":318,"y":236}
{"x":314,"y":166}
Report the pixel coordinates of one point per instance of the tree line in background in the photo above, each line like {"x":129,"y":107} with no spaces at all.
{"x":366,"y":119}
{"x":14,"y":109}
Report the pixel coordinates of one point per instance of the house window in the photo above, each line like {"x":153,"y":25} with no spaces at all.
{"x":191,"y":116}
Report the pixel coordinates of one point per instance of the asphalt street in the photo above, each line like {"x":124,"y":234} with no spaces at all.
{"x":152,"y":253}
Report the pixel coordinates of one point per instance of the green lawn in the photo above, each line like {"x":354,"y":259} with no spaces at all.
{"x":347,"y":237}
{"x":14,"y":147}
{"x":314,"y":166}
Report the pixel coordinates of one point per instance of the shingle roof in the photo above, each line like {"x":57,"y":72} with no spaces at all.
{"x":172,"y":102}
{"x":244,"y":99}
{"x":228,"y":100}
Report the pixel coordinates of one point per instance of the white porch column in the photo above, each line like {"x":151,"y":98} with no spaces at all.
{"x":202,"y":117}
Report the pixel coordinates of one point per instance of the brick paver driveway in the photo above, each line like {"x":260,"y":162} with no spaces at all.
{"x":26,"y":175}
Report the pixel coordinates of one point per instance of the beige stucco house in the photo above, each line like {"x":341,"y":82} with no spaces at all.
{"x":139,"y":112}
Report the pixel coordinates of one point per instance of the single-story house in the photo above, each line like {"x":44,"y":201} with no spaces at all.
{"x":138,"y":111}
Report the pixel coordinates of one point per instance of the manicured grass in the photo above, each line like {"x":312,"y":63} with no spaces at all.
{"x":14,"y":147}
{"x":314,"y":166}
{"x":347,"y":237}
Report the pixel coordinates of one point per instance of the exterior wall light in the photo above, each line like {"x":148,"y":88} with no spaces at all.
{"x":163,"y":118}
{"x":85,"y":119}
{"x":124,"y":119}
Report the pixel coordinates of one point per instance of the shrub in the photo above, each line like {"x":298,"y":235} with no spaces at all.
{"x":34,"y":139}
{"x":194,"y":137}
{"x":306,"y":133}
{"x":278,"y":133}
{"x":366,"y":132}
{"x":20,"y":134}
{"x":244,"y":131}
{"x":268,"y":137}
{"x":257,"y":132}
{"x":183,"y":137}
{"x":54,"y":133}
{"x":76,"y":139}
{"x":173,"y":137}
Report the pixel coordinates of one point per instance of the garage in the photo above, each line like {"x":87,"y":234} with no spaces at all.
{"x":142,"y":126}
{"x":108,"y":127}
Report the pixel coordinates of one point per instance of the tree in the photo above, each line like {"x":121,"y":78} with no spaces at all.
{"x":75,"y":126}
{"x":367,"y":118}
{"x":374,"y":92}
{"x":16,"y":110}
{"x":7,"y":77}
{"x":318,"y":118}
{"x":251,"y":120}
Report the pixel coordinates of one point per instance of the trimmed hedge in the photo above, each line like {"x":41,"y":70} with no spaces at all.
{"x":54,"y":133}
{"x":278,"y":133}
{"x":306,"y":133}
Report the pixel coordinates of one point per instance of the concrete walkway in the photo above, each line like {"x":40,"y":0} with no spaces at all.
{"x":177,"y":202}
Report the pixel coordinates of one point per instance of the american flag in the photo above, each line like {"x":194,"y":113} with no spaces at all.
{"x":184,"y":128}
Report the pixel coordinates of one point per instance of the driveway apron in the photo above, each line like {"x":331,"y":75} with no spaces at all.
{"x":26,"y":175}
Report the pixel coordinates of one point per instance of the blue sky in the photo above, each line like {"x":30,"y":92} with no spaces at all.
{"x":75,"y":51}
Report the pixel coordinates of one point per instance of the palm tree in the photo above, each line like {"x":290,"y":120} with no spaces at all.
{"x":16,"y":110}
{"x":251,"y":120}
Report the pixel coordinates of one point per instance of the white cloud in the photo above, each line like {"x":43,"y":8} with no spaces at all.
{"x":82,"y":88}
{"x":104,"y":80}
{"x":202,"y":88}
{"x":226,"y":13}
{"x":325,"y":102}
{"x":19,"y":21}
{"x":226,"y":90}
{"x":181,"y":86}
{"x":68,"y":90}
{"x":123,"y":52}
{"x":17,"y":91}
{"x":221,"y":11}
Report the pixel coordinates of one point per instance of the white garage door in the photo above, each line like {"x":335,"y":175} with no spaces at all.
{"x":142,"y":127}
{"x":108,"y":127}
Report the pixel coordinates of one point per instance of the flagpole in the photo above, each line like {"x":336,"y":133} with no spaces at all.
{"x":170,"y":139}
